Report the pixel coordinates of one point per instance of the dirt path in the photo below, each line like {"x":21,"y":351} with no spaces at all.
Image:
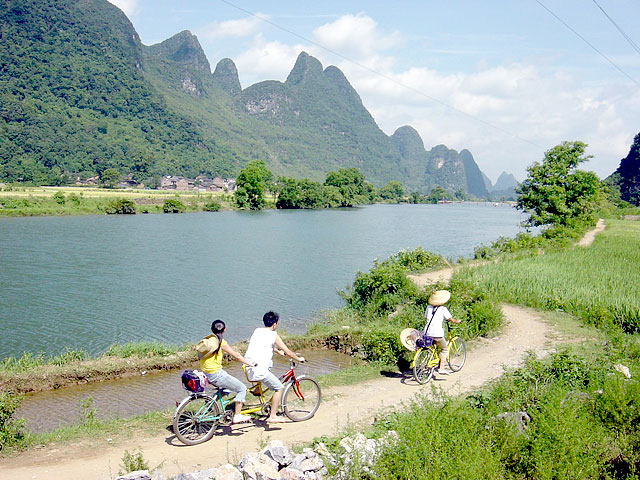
{"x":590,"y":236}
{"x":341,"y":407}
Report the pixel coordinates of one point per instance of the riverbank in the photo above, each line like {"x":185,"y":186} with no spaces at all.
{"x":45,"y":201}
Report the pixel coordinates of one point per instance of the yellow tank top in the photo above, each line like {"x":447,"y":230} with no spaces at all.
{"x":214,"y":362}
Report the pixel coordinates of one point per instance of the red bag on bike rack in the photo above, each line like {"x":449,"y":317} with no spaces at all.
{"x":194,"y":380}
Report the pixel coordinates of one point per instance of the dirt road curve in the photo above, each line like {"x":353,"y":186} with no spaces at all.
{"x":341,"y":406}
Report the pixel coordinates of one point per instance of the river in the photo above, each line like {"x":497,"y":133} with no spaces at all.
{"x":87,"y":282}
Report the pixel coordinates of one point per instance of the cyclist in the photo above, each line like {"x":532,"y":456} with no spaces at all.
{"x":210,"y":351}
{"x":436,"y":313}
{"x":262,"y":344}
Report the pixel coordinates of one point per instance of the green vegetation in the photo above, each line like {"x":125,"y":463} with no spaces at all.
{"x":122,"y":206}
{"x":626,"y":179}
{"x":603,"y":292}
{"x":11,"y":430}
{"x":173,"y":206}
{"x":555,"y":193}
{"x":251,"y":185}
{"x":28,"y":201}
{"x":583,"y":423}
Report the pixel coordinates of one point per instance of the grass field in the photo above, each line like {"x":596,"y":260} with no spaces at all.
{"x":599,"y":284}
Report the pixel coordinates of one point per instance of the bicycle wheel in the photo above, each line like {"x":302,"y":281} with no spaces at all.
{"x":196,"y":419}
{"x":421,"y":371}
{"x":301,"y":401}
{"x":457,"y":354}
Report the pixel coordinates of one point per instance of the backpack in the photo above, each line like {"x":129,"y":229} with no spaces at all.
{"x":194,"y":380}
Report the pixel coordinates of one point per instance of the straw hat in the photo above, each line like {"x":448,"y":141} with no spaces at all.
{"x":408,"y":338}
{"x":207,"y":344}
{"x":439,"y":297}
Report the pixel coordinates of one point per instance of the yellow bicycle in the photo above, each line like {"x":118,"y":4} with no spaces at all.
{"x":426,"y":359}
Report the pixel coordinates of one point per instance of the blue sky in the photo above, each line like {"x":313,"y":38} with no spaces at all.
{"x":504,"y":79}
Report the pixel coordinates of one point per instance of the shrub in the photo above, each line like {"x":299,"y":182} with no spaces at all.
{"x":121,"y":206}
{"x":384,"y":286}
{"x":212,"y":207}
{"x":59,"y":198}
{"x":173,"y":206}
{"x":11,"y":430}
{"x":382,"y":346}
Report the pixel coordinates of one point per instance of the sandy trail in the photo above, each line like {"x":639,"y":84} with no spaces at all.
{"x":341,"y":407}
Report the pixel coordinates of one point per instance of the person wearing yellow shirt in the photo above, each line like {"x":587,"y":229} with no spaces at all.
{"x":211,"y":365}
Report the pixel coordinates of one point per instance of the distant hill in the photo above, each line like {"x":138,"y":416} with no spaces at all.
{"x":79,"y":93}
{"x":505,"y":187}
{"x":627,"y":175}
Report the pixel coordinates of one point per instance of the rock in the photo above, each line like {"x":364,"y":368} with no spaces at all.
{"x":521,"y":419}
{"x":311,"y":464}
{"x":197,"y":475}
{"x":289,"y":473}
{"x":623,"y":370}
{"x":278,"y":453}
{"x":257,"y":466}
{"x":137,"y":475}
{"x":227,"y":472}
{"x":582,"y":396}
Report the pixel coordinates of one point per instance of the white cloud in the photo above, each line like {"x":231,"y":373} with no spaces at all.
{"x":243,"y":27}
{"x":355,"y":36}
{"x":129,"y":7}
{"x":512,"y":113}
{"x":266,"y":61}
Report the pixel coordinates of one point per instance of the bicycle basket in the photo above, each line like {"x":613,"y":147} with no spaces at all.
{"x":424,"y":341}
{"x":194,"y":380}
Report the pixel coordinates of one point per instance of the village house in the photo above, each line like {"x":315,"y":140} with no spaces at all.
{"x":200,"y":183}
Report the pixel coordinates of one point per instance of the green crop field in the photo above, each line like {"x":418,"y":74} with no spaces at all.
{"x":598,"y":283}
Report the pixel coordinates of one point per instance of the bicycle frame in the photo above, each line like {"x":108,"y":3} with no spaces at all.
{"x":434,"y":359}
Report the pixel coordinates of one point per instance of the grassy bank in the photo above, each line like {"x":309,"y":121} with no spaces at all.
{"x":598,"y":284}
{"x":36,"y":201}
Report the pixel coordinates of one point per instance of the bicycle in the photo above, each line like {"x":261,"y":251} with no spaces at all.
{"x":198,"y":415}
{"x":426,"y":359}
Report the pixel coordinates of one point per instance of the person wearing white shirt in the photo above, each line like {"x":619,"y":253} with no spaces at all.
{"x":436,"y":314}
{"x":262,"y":344}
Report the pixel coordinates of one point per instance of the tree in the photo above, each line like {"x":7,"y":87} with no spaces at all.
{"x":351,"y":184}
{"x":251,"y":185}
{"x":110,"y":177}
{"x":392,"y":191}
{"x":438,"y":193}
{"x":556,"y":193}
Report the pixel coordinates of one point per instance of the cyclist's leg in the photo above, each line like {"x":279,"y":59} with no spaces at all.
{"x":222,"y":379}
{"x":444,"y":350}
{"x":272,"y":382}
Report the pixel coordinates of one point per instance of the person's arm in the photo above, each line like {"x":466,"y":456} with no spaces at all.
{"x":453,"y":320}
{"x":280,"y":344}
{"x":227,"y":349}
{"x":278,"y":351}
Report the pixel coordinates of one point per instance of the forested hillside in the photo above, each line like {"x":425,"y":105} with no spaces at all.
{"x":627,"y":176}
{"x":80,"y":94}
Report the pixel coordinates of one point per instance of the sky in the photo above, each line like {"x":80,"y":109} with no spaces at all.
{"x":505,"y":79}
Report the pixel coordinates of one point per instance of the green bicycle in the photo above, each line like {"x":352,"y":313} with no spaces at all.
{"x":426,"y":359}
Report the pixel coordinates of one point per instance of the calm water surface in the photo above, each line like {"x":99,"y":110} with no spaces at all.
{"x":91,"y":281}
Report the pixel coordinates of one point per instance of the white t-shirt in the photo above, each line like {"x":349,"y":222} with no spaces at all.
{"x":260,"y":350}
{"x":435,"y":328}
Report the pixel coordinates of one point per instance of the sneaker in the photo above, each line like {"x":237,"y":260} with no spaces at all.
{"x":441,"y":371}
{"x":241,"y":418}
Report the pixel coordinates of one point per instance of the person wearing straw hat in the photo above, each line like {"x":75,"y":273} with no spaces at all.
{"x":436,"y":314}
